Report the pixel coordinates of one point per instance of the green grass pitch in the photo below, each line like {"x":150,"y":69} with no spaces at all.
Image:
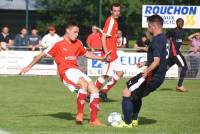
{"x":42,"y":105}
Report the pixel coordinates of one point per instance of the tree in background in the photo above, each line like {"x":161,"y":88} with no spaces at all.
{"x":86,"y":12}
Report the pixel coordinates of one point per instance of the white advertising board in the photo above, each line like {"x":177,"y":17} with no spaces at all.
{"x":129,"y":61}
{"x":11,"y":62}
{"x":170,"y":13}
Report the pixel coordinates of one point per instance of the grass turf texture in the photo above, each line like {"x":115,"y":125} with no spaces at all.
{"x":34,"y":105}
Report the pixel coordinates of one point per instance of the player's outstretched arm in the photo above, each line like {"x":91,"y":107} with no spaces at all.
{"x":98,"y":29}
{"x":95,"y":57}
{"x":103,"y":40}
{"x":154,"y":64}
{"x":33,"y":62}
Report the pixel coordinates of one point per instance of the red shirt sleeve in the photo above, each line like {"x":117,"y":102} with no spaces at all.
{"x":51,"y":51}
{"x":108,"y":26}
{"x":81,"y":49}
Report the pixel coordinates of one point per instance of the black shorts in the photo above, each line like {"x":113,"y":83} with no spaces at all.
{"x":140,"y":87}
{"x":178,"y":59}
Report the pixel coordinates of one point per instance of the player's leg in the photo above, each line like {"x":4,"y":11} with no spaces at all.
{"x":94,"y":104}
{"x":94,"y":101}
{"x":140,"y":89}
{"x":131,"y":102}
{"x":81,"y":99}
{"x":73,"y":82}
{"x":100,"y":81}
{"x":137,"y":85}
{"x":104,"y":77}
{"x":127,"y":106}
{"x":181,"y":63}
{"x":117,"y":68}
{"x":137,"y":103}
{"x":112,"y":81}
{"x":170,"y":62}
{"x":127,"y":110}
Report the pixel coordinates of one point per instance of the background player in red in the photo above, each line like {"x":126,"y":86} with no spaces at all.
{"x":65,"y":53}
{"x":94,"y":40}
{"x":109,"y":43}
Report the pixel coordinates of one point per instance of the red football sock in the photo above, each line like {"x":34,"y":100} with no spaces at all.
{"x":81,"y":99}
{"x":110,"y":84}
{"x":94,"y":106}
{"x":99,"y":82}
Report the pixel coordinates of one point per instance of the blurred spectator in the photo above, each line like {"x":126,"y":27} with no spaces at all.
{"x":94,"y":40}
{"x":194,"y":54}
{"x":5,"y":39}
{"x":142,"y":44}
{"x":51,"y":38}
{"x":34,"y":40}
{"x":21,"y":40}
{"x":121,"y":41}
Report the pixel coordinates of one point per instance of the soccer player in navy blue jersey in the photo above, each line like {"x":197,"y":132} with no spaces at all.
{"x":153,"y":76}
{"x":175,"y":57}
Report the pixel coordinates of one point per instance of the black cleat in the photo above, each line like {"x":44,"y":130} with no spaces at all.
{"x":103,"y":96}
{"x":88,"y":98}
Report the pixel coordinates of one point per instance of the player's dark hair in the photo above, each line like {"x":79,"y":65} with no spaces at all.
{"x":115,"y":5}
{"x":155,"y":18}
{"x":71,"y":24}
{"x":179,"y":19}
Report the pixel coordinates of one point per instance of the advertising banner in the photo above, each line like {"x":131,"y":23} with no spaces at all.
{"x":170,"y":13}
{"x":11,"y":63}
{"x":129,"y":61}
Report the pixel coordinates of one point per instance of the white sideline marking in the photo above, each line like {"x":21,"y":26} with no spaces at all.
{"x":3,"y":132}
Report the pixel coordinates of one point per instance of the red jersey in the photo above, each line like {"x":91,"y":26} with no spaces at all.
{"x":94,"y":40}
{"x":66,"y":54}
{"x":110,"y":29}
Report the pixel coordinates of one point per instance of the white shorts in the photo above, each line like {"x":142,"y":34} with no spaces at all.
{"x":109,"y":68}
{"x":71,"y":78}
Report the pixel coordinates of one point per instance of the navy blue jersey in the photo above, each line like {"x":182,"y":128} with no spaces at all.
{"x":177,"y":37}
{"x":157,"y":48}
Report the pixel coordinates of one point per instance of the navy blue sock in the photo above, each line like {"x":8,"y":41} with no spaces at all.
{"x":127,"y":109}
{"x":136,"y":108}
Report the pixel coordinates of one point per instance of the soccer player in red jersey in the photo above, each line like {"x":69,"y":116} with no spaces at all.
{"x":94,"y":40}
{"x":113,"y":63}
{"x":65,"y":53}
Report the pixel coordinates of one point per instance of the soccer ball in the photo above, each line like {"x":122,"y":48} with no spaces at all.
{"x":114,"y":118}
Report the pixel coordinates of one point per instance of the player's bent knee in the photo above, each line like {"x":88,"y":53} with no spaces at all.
{"x":126,"y":92}
{"x":83,"y":83}
{"x":92,"y":88}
